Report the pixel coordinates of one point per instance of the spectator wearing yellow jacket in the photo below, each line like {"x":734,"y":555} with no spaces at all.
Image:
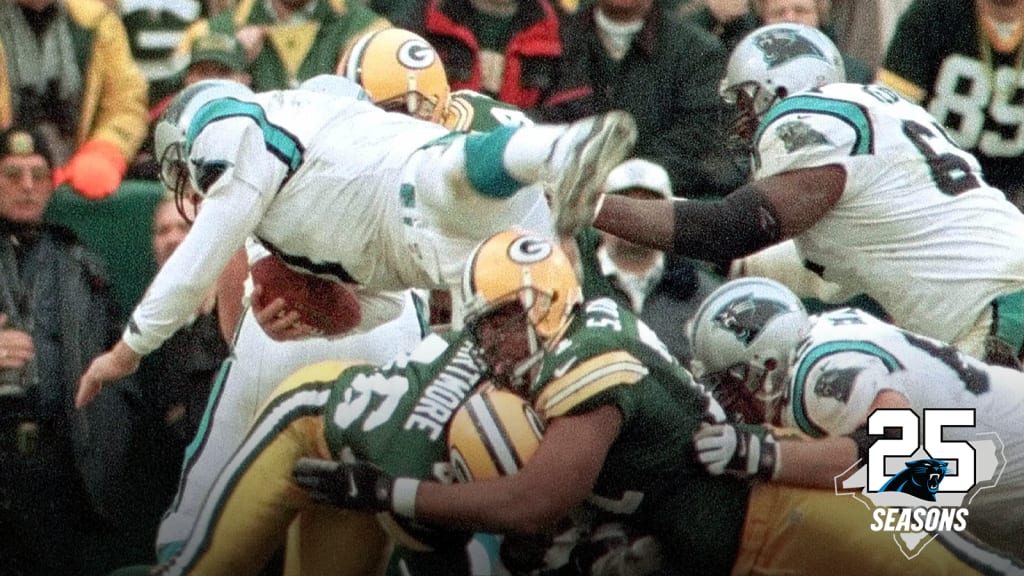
{"x":68,"y":70}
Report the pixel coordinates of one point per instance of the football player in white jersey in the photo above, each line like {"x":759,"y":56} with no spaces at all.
{"x":339,"y":187}
{"x":406,"y":77}
{"x":824,"y":375}
{"x":256,"y":365}
{"x":402,"y":72}
{"x":875,"y":195}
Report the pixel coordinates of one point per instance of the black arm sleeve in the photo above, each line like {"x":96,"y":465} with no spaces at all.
{"x":717,"y":231}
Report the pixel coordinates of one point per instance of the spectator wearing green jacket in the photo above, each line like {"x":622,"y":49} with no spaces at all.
{"x":288,"y":41}
{"x":665,"y":72}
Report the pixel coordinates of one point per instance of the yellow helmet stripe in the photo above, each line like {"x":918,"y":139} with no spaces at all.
{"x":588,"y":379}
{"x":495,"y":438}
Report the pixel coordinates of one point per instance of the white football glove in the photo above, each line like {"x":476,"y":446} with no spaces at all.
{"x":743,"y":450}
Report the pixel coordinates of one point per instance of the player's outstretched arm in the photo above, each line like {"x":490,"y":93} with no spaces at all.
{"x":647,"y":222}
{"x":751,"y":451}
{"x":560,"y":475}
{"x":752,"y":217}
{"x":119,"y":362}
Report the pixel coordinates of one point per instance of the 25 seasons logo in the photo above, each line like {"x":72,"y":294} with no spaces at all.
{"x":920,"y":481}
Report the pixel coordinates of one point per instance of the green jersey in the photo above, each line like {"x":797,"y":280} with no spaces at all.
{"x":471,"y":111}
{"x":651,"y":479}
{"x":396,"y":417}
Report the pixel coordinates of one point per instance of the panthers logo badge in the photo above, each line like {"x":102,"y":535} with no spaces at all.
{"x":921,"y":479}
{"x":781,"y":46}
{"x":745,"y":317}
{"x":836,"y":383}
{"x":207,"y":172}
{"x":796,"y":135}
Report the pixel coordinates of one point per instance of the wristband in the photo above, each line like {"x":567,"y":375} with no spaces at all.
{"x":403,"y":497}
{"x":771,"y":458}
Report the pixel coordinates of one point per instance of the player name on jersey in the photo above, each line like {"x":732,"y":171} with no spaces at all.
{"x":442,"y":396}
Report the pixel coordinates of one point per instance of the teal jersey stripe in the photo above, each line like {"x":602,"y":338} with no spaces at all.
{"x":1008,"y":324}
{"x":815,"y":355}
{"x":849,"y":112}
{"x":278,"y":142}
{"x":485,"y":165}
{"x":211,"y":406}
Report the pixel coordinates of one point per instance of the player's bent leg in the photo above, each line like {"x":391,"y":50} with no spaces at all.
{"x":801,"y":531}
{"x":220,"y":430}
{"x":325,"y":540}
{"x":256,"y":367}
{"x":570,"y":161}
{"x":463,"y":189}
{"x":254,"y":499}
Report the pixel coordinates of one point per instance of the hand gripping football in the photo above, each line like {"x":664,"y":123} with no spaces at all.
{"x":330,"y":307}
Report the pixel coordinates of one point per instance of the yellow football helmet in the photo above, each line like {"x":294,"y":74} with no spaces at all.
{"x":494,"y":433}
{"x":400,"y":71}
{"x":515,"y":267}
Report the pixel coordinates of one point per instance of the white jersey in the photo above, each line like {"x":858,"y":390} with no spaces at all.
{"x":333,"y":185}
{"x":848,"y":357}
{"x":916,"y":228}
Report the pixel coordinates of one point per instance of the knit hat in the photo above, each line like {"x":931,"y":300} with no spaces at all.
{"x":221,"y":48}
{"x":639,"y":173}
{"x":24,"y":142}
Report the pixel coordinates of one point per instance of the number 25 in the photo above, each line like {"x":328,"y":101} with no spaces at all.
{"x":905,"y":446}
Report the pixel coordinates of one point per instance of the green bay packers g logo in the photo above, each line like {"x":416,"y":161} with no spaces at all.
{"x":529,"y":250}
{"x":416,"y":54}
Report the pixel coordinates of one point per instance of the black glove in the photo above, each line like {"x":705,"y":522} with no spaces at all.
{"x":356,"y":486}
{"x":745,"y":450}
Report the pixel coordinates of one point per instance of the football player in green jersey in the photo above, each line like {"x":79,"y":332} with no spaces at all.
{"x":620,"y":416}
{"x":402,"y":72}
{"x":397,"y":416}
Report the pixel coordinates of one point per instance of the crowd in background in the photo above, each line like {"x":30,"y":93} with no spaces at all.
{"x":85,"y":80}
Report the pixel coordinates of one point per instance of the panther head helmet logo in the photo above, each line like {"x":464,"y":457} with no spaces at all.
{"x":746,"y":316}
{"x":921,"y":478}
{"x":781,"y":46}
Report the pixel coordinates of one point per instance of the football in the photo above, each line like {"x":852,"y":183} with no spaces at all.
{"x":332,"y":308}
